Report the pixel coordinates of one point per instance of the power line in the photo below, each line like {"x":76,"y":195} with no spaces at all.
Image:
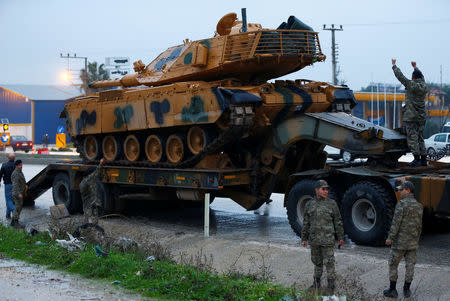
{"x":333,"y":49}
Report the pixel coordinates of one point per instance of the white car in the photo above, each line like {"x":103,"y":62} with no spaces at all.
{"x":436,"y":143}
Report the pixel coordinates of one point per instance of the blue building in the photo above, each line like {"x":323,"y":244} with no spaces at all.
{"x":33,"y":110}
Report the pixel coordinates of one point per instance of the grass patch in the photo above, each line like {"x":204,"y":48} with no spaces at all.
{"x":153,"y":279}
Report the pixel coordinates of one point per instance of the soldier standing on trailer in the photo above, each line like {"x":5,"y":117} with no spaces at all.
{"x":321,"y":223}
{"x":404,"y":238}
{"x":90,"y":195}
{"x":413,"y":113}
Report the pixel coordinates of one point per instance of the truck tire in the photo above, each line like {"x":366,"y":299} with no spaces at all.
{"x":107,"y":197}
{"x":62,"y":194}
{"x":300,"y":194}
{"x":367,"y":213}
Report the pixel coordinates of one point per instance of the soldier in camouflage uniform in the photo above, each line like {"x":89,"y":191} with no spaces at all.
{"x":90,"y":195}
{"x":413,"y":112}
{"x":404,"y":238}
{"x":321,"y":223}
{"x":18,"y":191}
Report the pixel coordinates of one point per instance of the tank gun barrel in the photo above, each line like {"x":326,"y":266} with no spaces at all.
{"x":128,"y":80}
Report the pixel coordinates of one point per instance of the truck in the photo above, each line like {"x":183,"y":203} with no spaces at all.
{"x":203,"y":117}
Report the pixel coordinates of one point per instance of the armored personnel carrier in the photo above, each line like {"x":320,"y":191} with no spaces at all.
{"x":207,"y":103}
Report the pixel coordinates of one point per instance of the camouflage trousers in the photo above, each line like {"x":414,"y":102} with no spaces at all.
{"x":91,"y":213}
{"x":414,"y":137}
{"x":321,"y":255}
{"x":394,"y":260}
{"x":18,"y":204}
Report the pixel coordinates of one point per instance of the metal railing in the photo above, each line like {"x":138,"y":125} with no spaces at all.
{"x":271,"y":42}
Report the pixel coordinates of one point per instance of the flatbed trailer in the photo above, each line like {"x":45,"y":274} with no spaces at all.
{"x":366,"y":195}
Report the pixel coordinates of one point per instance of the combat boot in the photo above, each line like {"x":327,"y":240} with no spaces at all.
{"x":331,"y":286}
{"x":316,"y":284}
{"x":406,"y":290}
{"x":13,"y":223}
{"x":423,"y":160}
{"x":392,"y":291}
{"x":416,"y":162}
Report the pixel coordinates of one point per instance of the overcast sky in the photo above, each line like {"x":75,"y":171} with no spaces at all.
{"x":34,"y":33}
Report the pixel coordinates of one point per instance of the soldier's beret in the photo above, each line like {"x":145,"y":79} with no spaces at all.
{"x":18,"y":162}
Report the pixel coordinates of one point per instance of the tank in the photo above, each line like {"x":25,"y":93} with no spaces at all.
{"x":206,"y":103}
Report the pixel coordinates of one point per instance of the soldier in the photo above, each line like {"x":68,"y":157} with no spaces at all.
{"x":18,"y":191}
{"x":321,"y":222}
{"x":404,"y":238}
{"x":89,"y":194}
{"x":414,"y":112}
{"x":5,"y":173}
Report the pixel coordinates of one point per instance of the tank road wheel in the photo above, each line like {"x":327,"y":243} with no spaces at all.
{"x":131,"y":148}
{"x":196,"y":139}
{"x":299,"y":195}
{"x":153,"y":148}
{"x":367,"y":213}
{"x":174,"y":149}
{"x":111,"y":148}
{"x":91,"y":148}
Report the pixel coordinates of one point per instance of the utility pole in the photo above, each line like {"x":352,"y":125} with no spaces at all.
{"x":333,"y":48}
{"x":68,"y":57}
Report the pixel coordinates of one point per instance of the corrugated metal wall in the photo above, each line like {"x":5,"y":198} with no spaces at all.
{"x":14,"y":107}
{"x":47,"y":119}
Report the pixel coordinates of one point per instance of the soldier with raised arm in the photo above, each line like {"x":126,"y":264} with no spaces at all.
{"x":404,"y":238}
{"x":321,"y":223}
{"x":413,"y":113}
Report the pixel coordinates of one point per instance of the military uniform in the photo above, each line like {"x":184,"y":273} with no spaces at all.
{"x":90,"y":195}
{"x":321,"y":223}
{"x":404,"y":234}
{"x":413,"y":112}
{"x":18,"y":187}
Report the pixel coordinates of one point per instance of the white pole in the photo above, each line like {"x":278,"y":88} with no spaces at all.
{"x":206,"y":230}
{"x":371,"y":102}
{"x":395,"y":94}
{"x":385,"y":109}
{"x":378,"y":104}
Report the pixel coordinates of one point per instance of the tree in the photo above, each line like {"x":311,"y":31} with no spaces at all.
{"x":94,"y":73}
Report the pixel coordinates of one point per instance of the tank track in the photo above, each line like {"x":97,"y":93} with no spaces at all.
{"x":240,"y":121}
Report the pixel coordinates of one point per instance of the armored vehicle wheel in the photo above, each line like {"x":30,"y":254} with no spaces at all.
{"x":367,"y":212}
{"x":154,"y":148}
{"x":174,"y":149}
{"x":196,"y":139}
{"x":91,"y":148}
{"x":111,"y":148}
{"x":131,"y":148}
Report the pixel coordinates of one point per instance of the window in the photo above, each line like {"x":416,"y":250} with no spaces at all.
{"x":440,"y":138}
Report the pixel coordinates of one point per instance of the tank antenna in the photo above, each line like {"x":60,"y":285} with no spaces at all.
{"x":244,"y":19}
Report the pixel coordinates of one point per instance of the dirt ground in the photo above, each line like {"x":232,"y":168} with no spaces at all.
{"x":22,"y":281}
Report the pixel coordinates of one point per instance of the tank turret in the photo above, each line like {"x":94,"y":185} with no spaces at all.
{"x":253,"y":56}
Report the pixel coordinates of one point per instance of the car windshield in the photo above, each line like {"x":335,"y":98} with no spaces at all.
{"x":19,"y":138}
